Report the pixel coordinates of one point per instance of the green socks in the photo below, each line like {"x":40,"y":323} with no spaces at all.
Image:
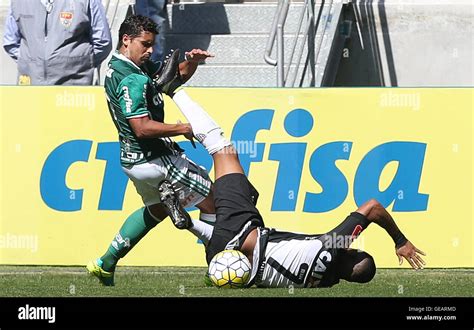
{"x":137,"y":225}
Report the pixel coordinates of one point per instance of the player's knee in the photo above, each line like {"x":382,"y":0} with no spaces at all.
{"x":155,"y":212}
{"x":364,"y":270}
{"x":207,"y":205}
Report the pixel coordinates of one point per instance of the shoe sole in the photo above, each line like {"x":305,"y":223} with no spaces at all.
{"x":169,"y":70}
{"x":178,"y":215}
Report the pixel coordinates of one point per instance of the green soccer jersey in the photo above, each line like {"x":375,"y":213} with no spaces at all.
{"x":131,"y":94}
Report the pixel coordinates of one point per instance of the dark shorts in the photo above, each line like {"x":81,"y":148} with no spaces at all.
{"x":235,"y":199}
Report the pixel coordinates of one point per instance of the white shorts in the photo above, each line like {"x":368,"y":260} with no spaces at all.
{"x":192,"y":183}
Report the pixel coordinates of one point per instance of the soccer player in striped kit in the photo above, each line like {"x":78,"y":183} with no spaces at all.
{"x":283,"y":259}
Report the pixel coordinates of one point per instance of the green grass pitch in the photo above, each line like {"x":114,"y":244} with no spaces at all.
{"x":44,"y":281}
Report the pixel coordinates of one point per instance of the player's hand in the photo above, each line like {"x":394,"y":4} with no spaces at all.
{"x":197,"y":55}
{"x":411,"y":254}
{"x":188,"y":133}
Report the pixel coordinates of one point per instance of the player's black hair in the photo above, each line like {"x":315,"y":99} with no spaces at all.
{"x":364,"y":270}
{"x":355,"y":266}
{"x":134,"y":25}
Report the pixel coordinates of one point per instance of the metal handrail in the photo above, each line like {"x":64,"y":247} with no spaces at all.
{"x":309,"y":34}
{"x":309,"y":10}
{"x":318,"y":46}
{"x":278,"y":21}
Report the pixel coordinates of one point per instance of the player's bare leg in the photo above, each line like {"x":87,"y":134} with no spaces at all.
{"x":224,"y":154}
{"x":207,"y":216}
{"x":226,"y":161}
{"x":207,"y":205}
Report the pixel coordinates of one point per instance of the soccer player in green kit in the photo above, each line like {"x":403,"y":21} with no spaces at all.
{"x":147,"y":154}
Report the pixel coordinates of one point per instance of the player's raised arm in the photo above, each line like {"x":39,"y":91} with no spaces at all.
{"x":376,"y":213}
{"x":193,"y":58}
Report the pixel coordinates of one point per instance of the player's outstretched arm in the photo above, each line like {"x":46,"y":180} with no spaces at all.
{"x":411,"y":254}
{"x":193,"y":58}
{"x":375,"y":212}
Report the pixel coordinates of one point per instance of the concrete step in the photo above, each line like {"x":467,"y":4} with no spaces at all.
{"x":217,"y":18}
{"x":232,"y":49}
{"x":237,"y":34}
{"x":237,"y":76}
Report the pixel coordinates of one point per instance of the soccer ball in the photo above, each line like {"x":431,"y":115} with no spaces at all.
{"x":229,"y":269}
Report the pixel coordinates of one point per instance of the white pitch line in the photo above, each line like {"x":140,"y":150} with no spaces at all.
{"x":85,"y":273}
